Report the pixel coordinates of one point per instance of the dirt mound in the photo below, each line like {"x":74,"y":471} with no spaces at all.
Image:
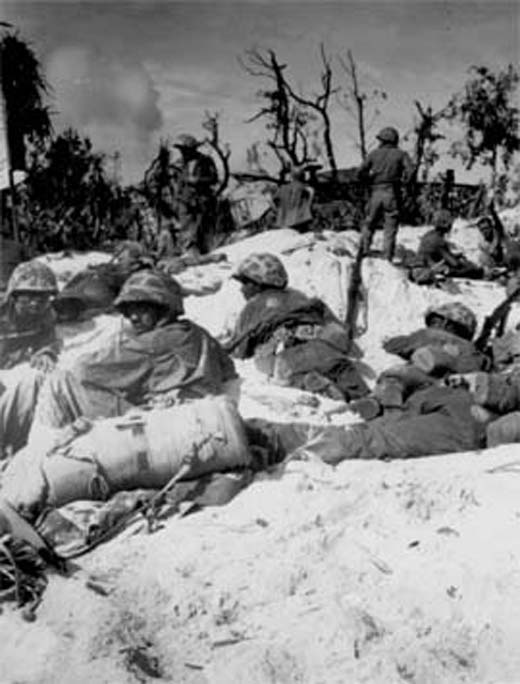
{"x":368,"y":572}
{"x":365,"y":573}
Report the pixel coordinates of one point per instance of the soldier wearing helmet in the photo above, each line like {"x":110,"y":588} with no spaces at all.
{"x":149,"y":299}
{"x":157,"y":356}
{"x":261,"y":271}
{"x":499,"y":252}
{"x":435,"y":253}
{"x":443,"y":347}
{"x":386,"y":170}
{"x":449,"y":330}
{"x":94,"y":289}
{"x":27,"y":334}
{"x":27,"y":322}
{"x":195,"y":198}
{"x":294,"y":339}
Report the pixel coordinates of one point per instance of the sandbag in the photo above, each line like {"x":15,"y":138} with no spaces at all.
{"x":143,"y":449}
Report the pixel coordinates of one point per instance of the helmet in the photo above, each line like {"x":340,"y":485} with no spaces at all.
{"x":185,"y":140}
{"x":33,"y":276}
{"x":263,"y":269}
{"x":388,"y":135}
{"x":152,"y":287}
{"x":457,"y":313}
{"x":442,"y":218}
{"x":90,"y":289}
{"x":130,"y":249}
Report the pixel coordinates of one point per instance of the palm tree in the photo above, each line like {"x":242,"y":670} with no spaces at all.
{"x":27,"y":119}
{"x":23,"y":88}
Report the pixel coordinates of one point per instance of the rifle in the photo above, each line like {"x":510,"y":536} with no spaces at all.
{"x":354,"y":292}
{"x":496,"y":320}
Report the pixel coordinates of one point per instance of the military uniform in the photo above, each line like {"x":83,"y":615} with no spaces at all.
{"x":294,"y":339}
{"x":196,"y":204}
{"x":25,"y":340}
{"x":176,"y":356}
{"x":386,"y":169}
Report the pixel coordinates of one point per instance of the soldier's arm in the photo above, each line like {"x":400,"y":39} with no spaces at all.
{"x":408,"y":168}
{"x":364,"y":170}
{"x":448,"y":257}
{"x":403,"y":345}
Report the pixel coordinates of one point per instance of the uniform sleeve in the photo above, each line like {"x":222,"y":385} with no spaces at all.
{"x":404,"y":345}
{"x":365,"y":168}
{"x":51,"y":343}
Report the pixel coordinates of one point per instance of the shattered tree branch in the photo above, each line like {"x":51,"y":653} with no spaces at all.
{"x":350,"y":67}
{"x":321,"y":106}
{"x":290,"y":138}
{"x":211,"y":124}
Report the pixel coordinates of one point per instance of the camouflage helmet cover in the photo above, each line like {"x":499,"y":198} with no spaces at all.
{"x":457,"y":313}
{"x":389,"y":135}
{"x":152,"y":287}
{"x":263,"y":269}
{"x":32,"y":276}
{"x":187,"y":141}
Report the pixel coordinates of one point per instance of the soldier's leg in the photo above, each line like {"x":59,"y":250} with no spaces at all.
{"x":63,"y":399}
{"x":391,"y":223}
{"x":374,"y":210}
{"x":207,"y":224}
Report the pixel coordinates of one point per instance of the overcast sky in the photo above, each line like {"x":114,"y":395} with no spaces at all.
{"x":129,"y":74}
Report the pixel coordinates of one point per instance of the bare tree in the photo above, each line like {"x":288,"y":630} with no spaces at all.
{"x":355,"y":101}
{"x":289,"y":115}
{"x":320,"y":105}
{"x":426,"y":136}
{"x":211,"y":124}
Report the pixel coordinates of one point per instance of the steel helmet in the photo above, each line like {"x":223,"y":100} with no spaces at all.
{"x":152,"y":287}
{"x":457,"y":313}
{"x":186,"y":140}
{"x":263,"y":269}
{"x":32,"y":276}
{"x":90,"y":289}
{"x":388,"y":135}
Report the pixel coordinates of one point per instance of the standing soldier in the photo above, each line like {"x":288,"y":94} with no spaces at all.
{"x":386,"y":169}
{"x":196,"y":200}
{"x":293,"y":201}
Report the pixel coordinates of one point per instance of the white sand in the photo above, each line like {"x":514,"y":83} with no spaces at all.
{"x":368,"y":573}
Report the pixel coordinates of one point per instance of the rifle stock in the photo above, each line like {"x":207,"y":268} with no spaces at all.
{"x":496,"y":320}
{"x":353,"y":293}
